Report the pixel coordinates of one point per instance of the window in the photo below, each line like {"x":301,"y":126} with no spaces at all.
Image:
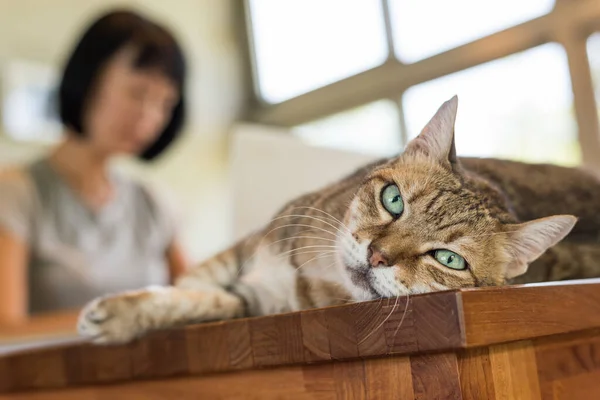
{"x":427,"y":27}
{"x":28,"y":107}
{"x":510,"y":108}
{"x":593,"y":50}
{"x":516,"y":98}
{"x":372,"y":129}
{"x":301,"y":45}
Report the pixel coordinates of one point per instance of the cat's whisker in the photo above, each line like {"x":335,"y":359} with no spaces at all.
{"x":259,"y":246}
{"x":322,"y":211}
{"x":330,"y":265}
{"x":317,"y":257}
{"x":301,"y":225}
{"x":301,"y":237}
{"x":373,"y":311}
{"x":314,"y":218}
{"x":306,"y":231}
{"x":322,"y":254}
{"x":346,"y":300}
{"x":324,"y":246}
{"x":403,"y":315}
{"x":241,"y":268}
{"x":327,"y":216}
{"x":308,"y":252}
{"x":382,"y":322}
{"x":323,"y":218}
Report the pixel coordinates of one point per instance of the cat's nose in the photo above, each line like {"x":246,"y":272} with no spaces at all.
{"x":377,"y":258}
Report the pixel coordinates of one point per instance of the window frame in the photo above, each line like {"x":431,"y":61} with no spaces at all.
{"x":569,"y":23}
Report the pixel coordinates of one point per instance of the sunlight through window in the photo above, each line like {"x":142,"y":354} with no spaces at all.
{"x":427,"y":27}
{"x":519,"y":107}
{"x":371,"y":129}
{"x":301,"y":45}
{"x":593,"y":50}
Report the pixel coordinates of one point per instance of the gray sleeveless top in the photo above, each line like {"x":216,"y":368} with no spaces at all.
{"x":77,"y":254}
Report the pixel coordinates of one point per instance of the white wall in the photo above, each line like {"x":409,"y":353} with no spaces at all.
{"x":269,"y":168}
{"x":196,"y":169}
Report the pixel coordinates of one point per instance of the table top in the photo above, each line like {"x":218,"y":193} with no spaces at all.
{"x":440,"y":321}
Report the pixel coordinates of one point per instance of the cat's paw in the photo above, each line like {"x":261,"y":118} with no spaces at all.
{"x":110,"y":320}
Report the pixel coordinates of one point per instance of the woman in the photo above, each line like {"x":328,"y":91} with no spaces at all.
{"x":70,"y":228}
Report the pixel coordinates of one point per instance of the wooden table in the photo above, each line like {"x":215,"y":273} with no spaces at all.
{"x":522,"y":342}
{"x":39,"y":330}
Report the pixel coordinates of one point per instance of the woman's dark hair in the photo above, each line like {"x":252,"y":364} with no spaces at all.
{"x":156,"y":49}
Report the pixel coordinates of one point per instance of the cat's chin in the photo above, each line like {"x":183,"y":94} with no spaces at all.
{"x":361,"y":280}
{"x":370,"y":284}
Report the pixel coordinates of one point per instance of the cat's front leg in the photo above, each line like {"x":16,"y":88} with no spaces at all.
{"x":120,"y":318}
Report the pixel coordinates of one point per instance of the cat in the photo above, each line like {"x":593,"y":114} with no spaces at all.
{"x":420,"y":222}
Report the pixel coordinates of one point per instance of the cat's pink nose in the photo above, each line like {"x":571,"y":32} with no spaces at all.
{"x":377,"y":258}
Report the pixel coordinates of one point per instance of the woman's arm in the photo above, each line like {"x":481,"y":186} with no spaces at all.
{"x":16,"y":207}
{"x":176,"y":261}
{"x":13,"y":279}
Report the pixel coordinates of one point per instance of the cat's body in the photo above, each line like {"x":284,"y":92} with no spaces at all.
{"x":539,"y":190}
{"x":302,"y":230}
{"x":422,"y":222}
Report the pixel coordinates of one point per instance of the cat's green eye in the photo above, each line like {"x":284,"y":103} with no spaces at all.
{"x":450,"y":259}
{"x":392,"y":200}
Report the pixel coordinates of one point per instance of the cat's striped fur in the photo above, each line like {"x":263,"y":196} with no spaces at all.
{"x":340,"y":244}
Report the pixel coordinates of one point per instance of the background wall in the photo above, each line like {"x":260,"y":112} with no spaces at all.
{"x":195,"y":170}
{"x":270,"y":167}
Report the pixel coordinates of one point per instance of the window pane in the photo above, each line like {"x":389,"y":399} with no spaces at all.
{"x":519,"y":107}
{"x":427,"y":27}
{"x":371,"y":129}
{"x":593,"y":49}
{"x":27,"y":108}
{"x":301,"y":45}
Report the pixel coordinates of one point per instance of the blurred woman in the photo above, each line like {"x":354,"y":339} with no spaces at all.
{"x":70,"y":227}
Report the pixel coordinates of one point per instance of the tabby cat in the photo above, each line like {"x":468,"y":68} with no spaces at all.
{"x":423,"y":221}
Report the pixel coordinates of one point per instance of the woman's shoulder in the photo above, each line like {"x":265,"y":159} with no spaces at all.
{"x":27,"y":180}
{"x":13,"y":173}
{"x":17,"y":199}
{"x":15,"y":178}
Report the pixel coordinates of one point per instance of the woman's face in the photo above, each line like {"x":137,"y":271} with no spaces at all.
{"x":129,"y":107}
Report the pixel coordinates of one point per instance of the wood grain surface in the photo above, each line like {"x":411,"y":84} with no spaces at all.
{"x":557,"y":367}
{"x":502,"y":343}
{"x":57,"y":323}
{"x":502,"y":314}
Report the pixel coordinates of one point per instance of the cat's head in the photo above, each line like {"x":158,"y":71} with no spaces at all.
{"x":420,"y":223}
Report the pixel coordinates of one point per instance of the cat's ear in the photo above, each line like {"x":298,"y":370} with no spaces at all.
{"x":529,"y":240}
{"x":437,"y":138}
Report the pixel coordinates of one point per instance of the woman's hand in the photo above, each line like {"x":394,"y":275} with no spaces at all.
{"x":176,"y":261}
